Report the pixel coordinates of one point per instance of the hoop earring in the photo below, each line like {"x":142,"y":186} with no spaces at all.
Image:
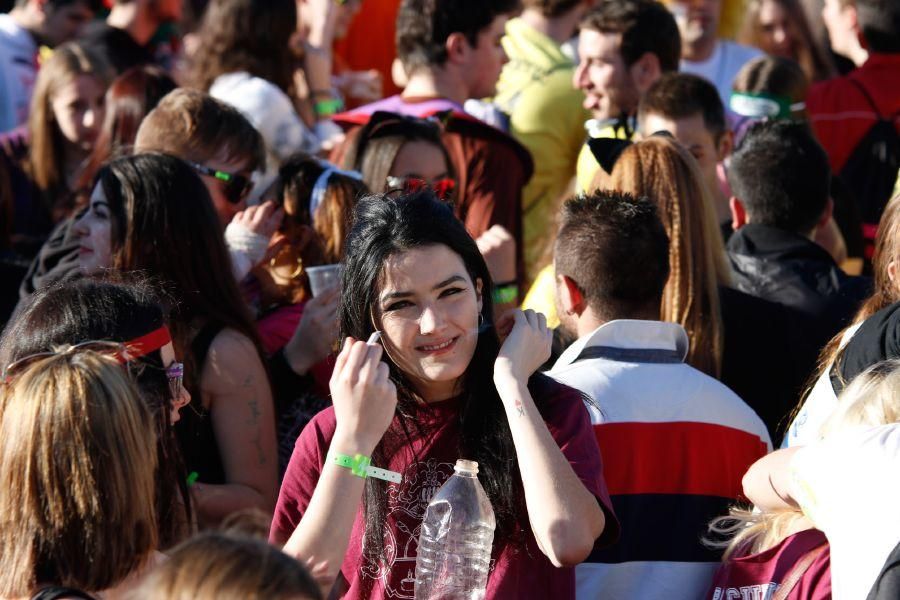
{"x":299,"y":268}
{"x":480,"y":320}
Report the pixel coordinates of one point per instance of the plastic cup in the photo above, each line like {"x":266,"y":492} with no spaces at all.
{"x":324,"y":277}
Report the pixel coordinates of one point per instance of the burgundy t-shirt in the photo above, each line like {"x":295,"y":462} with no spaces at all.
{"x":759,"y":575}
{"x":518,"y":572}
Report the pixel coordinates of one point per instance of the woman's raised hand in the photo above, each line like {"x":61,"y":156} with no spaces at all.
{"x":364,"y":397}
{"x":526,"y":347}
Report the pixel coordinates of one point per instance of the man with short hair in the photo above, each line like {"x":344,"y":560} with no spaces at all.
{"x":451,"y":51}
{"x":688,"y":107}
{"x":624,"y":46}
{"x":779,"y":178}
{"x":676,"y":442}
{"x":545,"y":112}
{"x":702,"y":52}
{"x":124,"y":39}
{"x":848,"y":111}
{"x":30,"y":24}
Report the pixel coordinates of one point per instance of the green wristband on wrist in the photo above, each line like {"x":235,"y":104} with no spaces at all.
{"x":361,"y":466}
{"x":505,"y":293}
{"x":326,"y":108}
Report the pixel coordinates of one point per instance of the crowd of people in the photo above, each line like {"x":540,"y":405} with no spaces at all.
{"x":257,"y":254}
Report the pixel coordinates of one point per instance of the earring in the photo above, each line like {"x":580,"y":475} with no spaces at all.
{"x":480,"y":320}
{"x":299,"y":268}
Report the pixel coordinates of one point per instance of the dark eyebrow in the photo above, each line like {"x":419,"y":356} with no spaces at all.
{"x":445,"y":283}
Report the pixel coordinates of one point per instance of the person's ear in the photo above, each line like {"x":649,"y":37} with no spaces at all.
{"x":892,"y":272}
{"x":457,"y":47}
{"x":645,"y":72}
{"x":738,"y":213}
{"x":725,"y":145}
{"x":571,"y":299}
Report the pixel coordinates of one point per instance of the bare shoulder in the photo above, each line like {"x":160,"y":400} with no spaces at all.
{"x":233,"y":360}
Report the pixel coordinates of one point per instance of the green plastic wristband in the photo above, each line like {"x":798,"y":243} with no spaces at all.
{"x":326,"y":108}
{"x":506,"y":294}
{"x":357,"y":464}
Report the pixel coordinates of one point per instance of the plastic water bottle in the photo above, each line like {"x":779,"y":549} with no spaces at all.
{"x":454,"y":552}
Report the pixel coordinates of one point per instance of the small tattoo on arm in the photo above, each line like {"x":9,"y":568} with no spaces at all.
{"x":254,"y":413}
{"x":257,"y":443}
{"x":520,"y":407}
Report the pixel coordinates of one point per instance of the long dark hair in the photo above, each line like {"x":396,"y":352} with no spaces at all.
{"x":246,"y":35}
{"x":164,"y":224}
{"x":88,"y":310}
{"x":384,"y":226}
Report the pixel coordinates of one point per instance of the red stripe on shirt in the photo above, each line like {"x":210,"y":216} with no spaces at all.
{"x":676,"y":457}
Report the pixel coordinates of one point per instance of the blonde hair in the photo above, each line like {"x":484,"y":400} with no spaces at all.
{"x":872,"y":399}
{"x":225,"y":566}
{"x":45,"y":160}
{"x":660,"y":169}
{"x":77,"y":465}
{"x":885,"y":292}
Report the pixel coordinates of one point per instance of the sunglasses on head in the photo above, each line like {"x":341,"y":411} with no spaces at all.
{"x":124,"y":353}
{"x":236,"y":187}
{"x":442,"y":188}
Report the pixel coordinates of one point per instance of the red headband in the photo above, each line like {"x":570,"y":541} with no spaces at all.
{"x":146,"y":344}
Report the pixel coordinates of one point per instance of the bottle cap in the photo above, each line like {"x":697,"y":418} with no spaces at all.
{"x":466,"y":466}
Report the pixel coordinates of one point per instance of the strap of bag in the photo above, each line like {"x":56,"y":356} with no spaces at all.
{"x":796,"y":573}
{"x":862,"y":89}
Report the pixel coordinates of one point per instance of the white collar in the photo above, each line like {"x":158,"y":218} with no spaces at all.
{"x":630,"y":334}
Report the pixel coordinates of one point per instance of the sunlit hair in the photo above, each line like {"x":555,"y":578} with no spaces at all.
{"x":885,"y":290}
{"x":228,"y":566}
{"x":808,"y":53}
{"x":76,"y":476}
{"x":660,"y":169}
{"x":45,"y":160}
{"x":872,"y":399}
{"x":310,"y":240}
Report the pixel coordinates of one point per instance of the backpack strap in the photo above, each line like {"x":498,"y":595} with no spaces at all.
{"x":793,"y":577}
{"x":862,"y":90}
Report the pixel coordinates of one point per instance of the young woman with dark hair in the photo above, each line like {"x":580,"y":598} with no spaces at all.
{"x":152,"y":213}
{"x":446,"y":389}
{"x":88,"y":310}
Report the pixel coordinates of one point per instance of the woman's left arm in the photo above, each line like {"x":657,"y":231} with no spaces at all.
{"x":565,"y":516}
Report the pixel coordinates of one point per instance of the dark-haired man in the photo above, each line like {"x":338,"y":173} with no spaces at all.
{"x":451,"y":51}
{"x":780,"y":183}
{"x":30,"y":24}
{"x":675,"y":441}
{"x":689,"y":107}
{"x":624,"y":46}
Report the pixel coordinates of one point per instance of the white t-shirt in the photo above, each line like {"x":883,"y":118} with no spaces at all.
{"x":722,"y":67}
{"x":849,"y":486}
{"x":18,"y":71}
{"x":270,"y":110}
{"x":818,"y":406}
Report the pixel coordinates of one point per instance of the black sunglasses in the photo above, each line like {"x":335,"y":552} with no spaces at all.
{"x":236,"y":187}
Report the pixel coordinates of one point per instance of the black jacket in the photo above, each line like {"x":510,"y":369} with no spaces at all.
{"x":787,"y":268}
